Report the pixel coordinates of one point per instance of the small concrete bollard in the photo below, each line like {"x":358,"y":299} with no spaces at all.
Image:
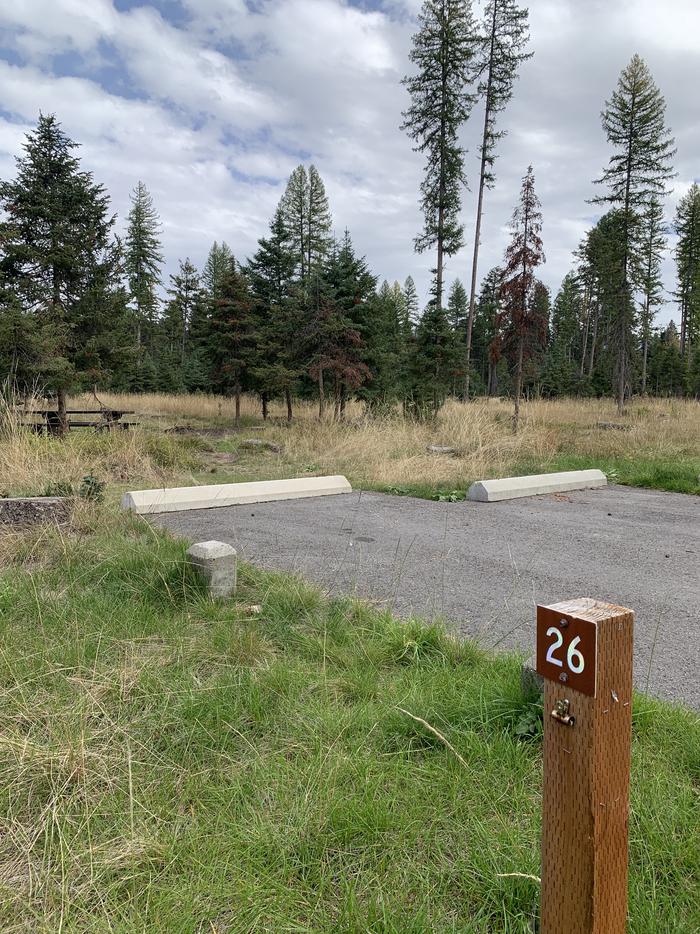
{"x":216,"y":562}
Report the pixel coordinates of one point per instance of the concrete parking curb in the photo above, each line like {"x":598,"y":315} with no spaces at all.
{"x":490,"y":491}
{"x":146,"y":502}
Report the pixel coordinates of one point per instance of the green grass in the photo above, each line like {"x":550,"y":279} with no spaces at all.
{"x":678,"y":475}
{"x":171,"y":764}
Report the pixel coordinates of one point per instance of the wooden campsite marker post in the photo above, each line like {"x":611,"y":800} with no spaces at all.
{"x":584,"y":653}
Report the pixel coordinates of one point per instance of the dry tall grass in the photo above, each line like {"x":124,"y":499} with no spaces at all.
{"x":393,"y":451}
{"x":32,"y":464}
{"x":388,"y":451}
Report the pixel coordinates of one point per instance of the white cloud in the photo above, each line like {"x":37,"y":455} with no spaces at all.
{"x":45,"y":27}
{"x":213,"y":115}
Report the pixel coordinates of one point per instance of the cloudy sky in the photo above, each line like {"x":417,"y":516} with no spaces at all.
{"x":213,"y":102}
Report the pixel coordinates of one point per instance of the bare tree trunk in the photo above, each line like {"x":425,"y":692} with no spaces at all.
{"x":480,"y":204}
{"x":237,"y":397}
{"x":263,"y":399}
{"x":645,"y":355}
{"x":343,"y":400}
{"x":472,"y":290}
{"x":288,"y":399}
{"x":321,"y":398}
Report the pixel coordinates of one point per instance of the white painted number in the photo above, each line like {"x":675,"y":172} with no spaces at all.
{"x":553,"y":631}
{"x":574,"y":659}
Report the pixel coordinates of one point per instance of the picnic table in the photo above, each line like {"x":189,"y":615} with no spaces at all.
{"x":107,"y":420}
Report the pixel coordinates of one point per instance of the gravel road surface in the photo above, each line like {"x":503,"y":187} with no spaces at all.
{"x":484,"y":566}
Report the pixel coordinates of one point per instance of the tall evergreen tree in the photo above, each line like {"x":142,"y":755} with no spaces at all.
{"x":386,"y":333}
{"x":603,"y":255}
{"x":566,"y":319}
{"x":143,"y":261}
{"x":216,"y":268}
{"x":179,"y":317}
{"x":486,"y":324}
{"x":639,"y":168}
{"x":667,"y":370}
{"x":653,"y":247}
{"x":318,"y":222}
{"x":231,"y":337}
{"x":687,"y":255}
{"x":503,"y":42}
{"x":305,"y":212}
{"x":398,"y":299}
{"x":435,"y":362}
{"x":277,"y":367}
{"x":458,"y":308}
{"x":522,"y":313}
{"x":440,"y":105}
{"x":24,"y":344}
{"x":411,"y":299}
{"x":536,"y":339}
{"x":352,"y":287}
{"x":60,"y":263}
{"x":333,"y":347}
{"x":294,"y":210}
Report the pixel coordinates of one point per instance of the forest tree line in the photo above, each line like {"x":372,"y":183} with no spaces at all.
{"x":600,"y":336}
{"x":305,"y":317}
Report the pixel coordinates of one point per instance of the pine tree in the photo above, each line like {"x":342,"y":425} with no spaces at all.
{"x":486,"y":324}
{"x":180,"y":314}
{"x":653,"y":247}
{"x":502,"y":50}
{"x":435,"y":362}
{"x":216,"y":268}
{"x":21,"y":344}
{"x":277,"y":368}
{"x":566,"y":319}
{"x":333,"y":348}
{"x":561,"y":366}
{"x":143,"y":261}
{"x":522,"y":314}
{"x":638,"y":170}
{"x":231,"y":337}
{"x":385,"y":332}
{"x":458,"y":308}
{"x":687,"y":255}
{"x":411,"y":299}
{"x":294,"y":209}
{"x":306,"y":215}
{"x":537,"y":337}
{"x":667,"y":370}
{"x":318,"y":223}
{"x":59,"y":262}
{"x":352,"y":288}
{"x":603,"y":252}
{"x":442,"y":52}
{"x":398,"y":300}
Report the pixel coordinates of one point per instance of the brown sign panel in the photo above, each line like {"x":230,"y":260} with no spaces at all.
{"x":567,"y":649}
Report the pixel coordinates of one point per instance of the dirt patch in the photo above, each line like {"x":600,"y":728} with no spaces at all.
{"x":220,"y":458}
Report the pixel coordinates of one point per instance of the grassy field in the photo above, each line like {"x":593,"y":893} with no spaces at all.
{"x":657,"y":445}
{"x":170,"y":764}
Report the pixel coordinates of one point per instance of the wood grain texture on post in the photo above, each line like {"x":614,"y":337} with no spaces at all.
{"x":584,"y":652}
